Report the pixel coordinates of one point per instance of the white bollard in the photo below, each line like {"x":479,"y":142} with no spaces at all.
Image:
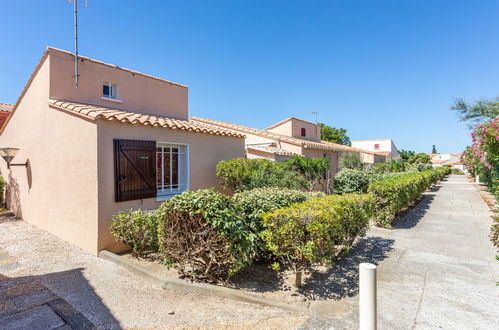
{"x":477,"y":179}
{"x":367,"y":297}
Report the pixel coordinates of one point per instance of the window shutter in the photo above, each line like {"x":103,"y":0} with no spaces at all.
{"x":134,"y":169}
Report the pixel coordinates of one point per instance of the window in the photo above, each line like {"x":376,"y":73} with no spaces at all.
{"x":110,"y":90}
{"x":376,"y":146}
{"x":303,"y":132}
{"x":172,"y":168}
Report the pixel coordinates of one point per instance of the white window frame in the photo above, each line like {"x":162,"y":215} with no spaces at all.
{"x":164,"y":194}
{"x":114,"y":92}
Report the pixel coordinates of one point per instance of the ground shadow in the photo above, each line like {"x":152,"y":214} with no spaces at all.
{"x":21,"y":294}
{"x":259,"y":277}
{"x":341,"y":280}
{"x":412,"y":216}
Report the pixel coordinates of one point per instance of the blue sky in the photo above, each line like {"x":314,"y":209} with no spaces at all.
{"x":377,"y":68}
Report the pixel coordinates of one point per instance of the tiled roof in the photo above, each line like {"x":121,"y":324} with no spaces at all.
{"x":6,"y":107}
{"x":288,"y":119}
{"x":273,"y":150}
{"x":95,"y":112}
{"x":323,"y":145}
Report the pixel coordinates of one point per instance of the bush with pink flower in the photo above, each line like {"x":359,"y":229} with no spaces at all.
{"x":482,"y":158}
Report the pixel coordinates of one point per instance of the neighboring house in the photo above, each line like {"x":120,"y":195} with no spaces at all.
{"x":453,"y":159}
{"x":286,"y":139}
{"x":122,"y":140}
{"x":5,"y":110}
{"x":385,"y":149}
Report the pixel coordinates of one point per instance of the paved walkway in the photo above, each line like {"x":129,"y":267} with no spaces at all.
{"x":436,"y":268}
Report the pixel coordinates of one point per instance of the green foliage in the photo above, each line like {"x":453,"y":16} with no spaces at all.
{"x":253,"y":204}
{"x":406,"y":154}
{"x":394,"y":193}
{"x":316,"y":231}
{"x":478,"y":112}
{"x":334,"y":135}
{"x":350,"y":181}
{"x":420,"y":158}
{"x":494,"y":230}
{"x":137,"y":229}
{"x":351,"y":160}
{"x":242,"y":174}
{"x":312,"y":170}
{"x":203,"y":234}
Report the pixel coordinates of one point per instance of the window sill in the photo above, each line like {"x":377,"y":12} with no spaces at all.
{"x":111,"y":99}
{"x":164,"y":197}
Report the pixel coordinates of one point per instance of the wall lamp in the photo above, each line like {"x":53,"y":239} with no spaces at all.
{"x":8,"y":154}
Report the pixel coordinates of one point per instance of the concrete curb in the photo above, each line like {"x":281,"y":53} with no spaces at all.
{"x":198,"y":288}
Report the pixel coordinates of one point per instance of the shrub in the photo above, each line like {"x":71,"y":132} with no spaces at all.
{"x":312,"y":170}
{"x":494,"y":229}
{"x":316,"y":231}
{"x":242,"y":174}
{"x":351,"y":160}
{"x":253,"y":204}
{"x":350,"y":181}
{"x":457,"y":171}
{"x":203,"y":235}
{"x":395,"y":193}
{"x":420,"y":167}
{"x":137,"y":229}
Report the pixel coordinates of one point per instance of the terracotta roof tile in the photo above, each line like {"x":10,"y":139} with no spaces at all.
{"x":273,"y":150}
{"x":323,"y":145}
{"x":95,"y":112}
{"x":6,"y":107}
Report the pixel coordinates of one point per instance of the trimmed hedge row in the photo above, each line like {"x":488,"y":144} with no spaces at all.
{"x":393,"y":194}
{"x":317,"y":231}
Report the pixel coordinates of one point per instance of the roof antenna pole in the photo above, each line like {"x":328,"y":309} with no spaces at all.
{"x":75,"y":2}
{"x":316,"y":113}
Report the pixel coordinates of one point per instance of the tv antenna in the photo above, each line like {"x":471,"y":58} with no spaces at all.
{"x":316,"y":113}
{"x":75,"y":18}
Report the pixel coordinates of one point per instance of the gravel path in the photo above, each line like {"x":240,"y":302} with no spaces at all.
{"x":111,"y":297}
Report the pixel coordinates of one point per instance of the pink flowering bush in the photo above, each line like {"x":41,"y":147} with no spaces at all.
{"x":482,"y":157}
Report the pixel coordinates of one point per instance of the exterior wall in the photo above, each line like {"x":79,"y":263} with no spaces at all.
{"x":384,"y":145}
{"x":137,"y":92}
{"x":293,"y":128}
{"x":256,"y":154}
{"x":57,"y":192}
{"x":205,"y":151}
{"x":367,"y":158}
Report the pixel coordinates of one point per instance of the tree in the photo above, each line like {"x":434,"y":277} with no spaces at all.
{"x":420,"y":158}
{"x":478,"y":112}
{"x":434,"y":150}
{"x":335,"y":135}
{"x":351,"y":160}
{"x":406,"y":154}
{"x":313,"y":170}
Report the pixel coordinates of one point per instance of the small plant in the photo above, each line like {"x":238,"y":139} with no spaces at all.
{"x":137,"y":229}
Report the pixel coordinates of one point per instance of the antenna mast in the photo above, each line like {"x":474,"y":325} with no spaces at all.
{"x":75,"y":2}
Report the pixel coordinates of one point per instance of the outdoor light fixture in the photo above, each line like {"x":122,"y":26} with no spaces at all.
{"x":8,"y":154}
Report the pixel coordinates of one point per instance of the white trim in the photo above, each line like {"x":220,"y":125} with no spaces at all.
{"x":164,"y":195}
{"x":110,"y":99}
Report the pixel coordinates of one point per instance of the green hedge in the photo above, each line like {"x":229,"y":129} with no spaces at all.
{"x":316,"y":231}
{"x":253,"y":204}
{"x":393,"y":194}
{"x":2,"y":186}
{"x":203,"y":236}
{"x":241,"y":174}
{"x":138,"y":229}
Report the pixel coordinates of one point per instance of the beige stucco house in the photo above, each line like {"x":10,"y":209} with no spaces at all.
{"x":382,"y":150}
{"x":122,"y":140}
{"x":286,"y":139}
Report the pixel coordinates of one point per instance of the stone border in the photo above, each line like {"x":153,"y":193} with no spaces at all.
{"x":198,"y":288}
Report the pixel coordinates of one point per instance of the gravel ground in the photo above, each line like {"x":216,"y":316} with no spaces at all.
{"x":111,"y":297}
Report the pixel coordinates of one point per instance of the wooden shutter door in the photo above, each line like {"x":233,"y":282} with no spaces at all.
{"x":134,"y":169}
